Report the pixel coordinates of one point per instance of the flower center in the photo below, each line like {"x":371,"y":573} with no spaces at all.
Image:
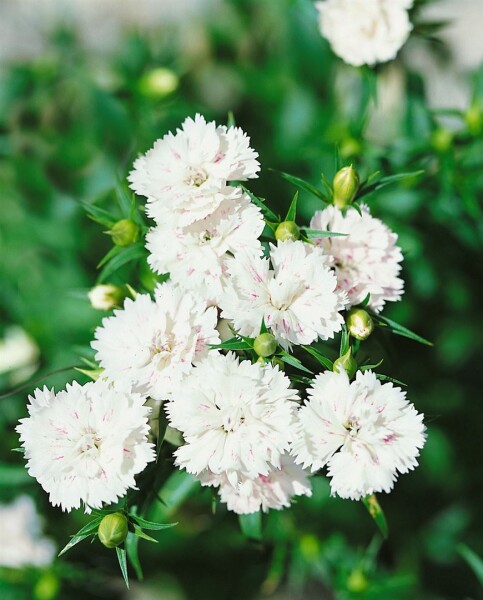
{"x":89,"y":444}
{"x":352,"y":426}
{"x":196,"y":177}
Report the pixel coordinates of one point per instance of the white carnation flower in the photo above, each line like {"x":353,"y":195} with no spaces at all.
{"x":187,"y":172}
{"x":366,"y":432}
{"x":152,"y":344}
{"x":264,"y":492}
{"x":21,"y":533}
{"x":366,"y":260}
{"x":298,"y":298}
{"x":236,"y":417}
{"x":86,"y":443}
{"x":365,"y":32}
{"x":195,"y":254}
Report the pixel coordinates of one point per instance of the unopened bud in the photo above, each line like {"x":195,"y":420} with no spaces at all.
{"x":105,"y":297}
{"x":442,"y":139}
{"x":158,"y":83}
{"x":347,"y":363}
{"x":265,"y":344}
{"x":287,"y":230}
{"x":474,"y":118}
{"x":346,"y":184}
{"x":359,"y":323}
{"x":124,"y":233}
{"x":113,"y":530}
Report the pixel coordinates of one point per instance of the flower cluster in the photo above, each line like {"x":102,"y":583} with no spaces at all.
{"x":242,"y":424}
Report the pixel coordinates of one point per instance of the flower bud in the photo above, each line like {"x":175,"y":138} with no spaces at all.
{"x":474,"y":119}
{"x":442,"y":139}
{"x":124,"y":233}
{"x":359,"y":323}
{"x":287,"y":230}
{"x":105,"y":297}
{"x":346,"y":184}
{"x":158,"y":83}
{"x":265,"y":345}
{"x":113,"y":529}
{"x":346,"y":362}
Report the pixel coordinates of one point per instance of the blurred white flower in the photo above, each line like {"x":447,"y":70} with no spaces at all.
{"x":195,"y":254}
{"x":19,"y":354}
{"x":272,"y":491}
{"x":298,"y":298}
{"x":236,"y":417}
{"x":86,"y":443}
{"x":21,"y":533}
{"x":187,"y":172}
{"x":367,"y":260}
{"x":365,"y":32}
{"x":366,"y":432}
{"x":152,"y":344}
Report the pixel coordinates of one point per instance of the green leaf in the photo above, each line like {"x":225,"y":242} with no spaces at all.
{"x":304,"y":185}
{"x":132,"y":543}
{"x":300,"y":379}
{"x":251,"y":525}
{"x":175,"y":491}
{"x":292,"y":211}
{"x":473,"y":560}
{"x":390,"y":379}
{"x":294,"y":362}
{"x":99,"y":215}
{"x":140,"y":533}
{"x":230,"y":122}
{"x":14,"y":475}
{"x":400,"y":329}
{"x":263,"y":327}
{"x":121,"y":557}
{"x":328,"y":364}
{"x":86,"y":531}
{"x":112,"y":252}
{"x":267,"y":213}
{"x":318,"y":233}
{"x":344,"y":341}
{"x":365,"y":302}
{"x":374,"y":366}
{"x":127,"y":255}
{"x":368,"y":188}
{"x":233,"y":344}
{"x":375,"y":510}
{"x":328,"y":185}
{"x":151,"y":525}
{"x":91,"y":373}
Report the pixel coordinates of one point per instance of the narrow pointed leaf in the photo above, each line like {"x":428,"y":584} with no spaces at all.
{"x":162,"y":426}
{"x":401,"y":330}
{"x":368,"y":188}
{"x":292,"y":211}
{"x":305,"y":185}
{"x":132,"y":543}
{"x":319,"y":233}
{"x":140,"y":533}
{"x":374,"y":366}
{"x":251,"y":525}
{"x":151,"y":525}
{"x":376,"y":512}
{"x":86,"y":531}
{"x":111,"y":254}
{"x":267,"y":213}
{"x":233,"y":344}
{"x":473,"y":560}
{"x":127,"y":255}
{"x":99,"y":215}
{"x":74,"y":541}
{"x":390,"y":379}
{"x":344,"y":341}
{"x":328,"y":364}
{"x":366,"y":301}
{"x":294,"y":362}
{"x":121,"y":557}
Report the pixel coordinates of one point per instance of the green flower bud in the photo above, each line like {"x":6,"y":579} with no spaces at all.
{"x":113,"y":530}
{"x":346,"y":184}
{"x":357,"y":581}
{"x":287,"y":230}
{"x":359,"y":323}
{"x":158,"y":83}
{"x":441,"y":140}
{"x":265,"y":345}
{"x":124,"y":233}
{"x":346,"y":362}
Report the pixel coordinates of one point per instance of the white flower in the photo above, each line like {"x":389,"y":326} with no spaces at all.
{"x":365,"y":32}
{"x":86,"y":443}
{"x":274,"y":490}
{"x":366,"y":432}
{"x":105,"y":297}
{"x":195,"y":254}
{"x":366,"y":260}
{"x":236,"y":417}
{"x":297,"y":299}
{"x":22,"y":541}
{"x":19,"y":354}
{"x":187,"y":172}
{"x":152,"y":344}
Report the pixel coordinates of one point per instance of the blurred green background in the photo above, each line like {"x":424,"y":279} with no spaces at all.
{"x":81,"y":94}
